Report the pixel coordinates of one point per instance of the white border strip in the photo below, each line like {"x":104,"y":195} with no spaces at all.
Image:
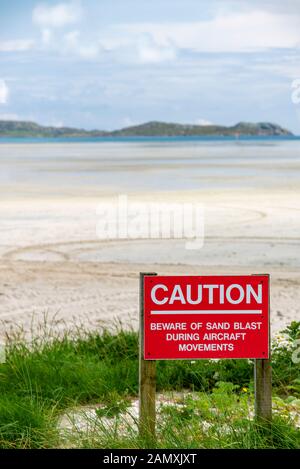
{"x":210,"y":311}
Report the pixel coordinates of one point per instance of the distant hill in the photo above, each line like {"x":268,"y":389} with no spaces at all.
{"x":149,"y":129}
{"x":153,"y":129}
{"x":31,"y":129}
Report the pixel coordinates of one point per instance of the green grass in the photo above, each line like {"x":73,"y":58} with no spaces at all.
{"x":40,"y":380}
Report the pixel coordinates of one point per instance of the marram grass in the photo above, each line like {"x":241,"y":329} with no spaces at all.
{"x":40,"y":380}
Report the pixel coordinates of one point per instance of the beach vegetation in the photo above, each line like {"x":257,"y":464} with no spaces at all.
{"x":212,"y":403}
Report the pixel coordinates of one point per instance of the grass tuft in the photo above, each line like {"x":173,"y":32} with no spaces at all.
{"x":41,"y":379}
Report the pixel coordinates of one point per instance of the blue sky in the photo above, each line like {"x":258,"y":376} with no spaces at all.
{"x":111,"y":63}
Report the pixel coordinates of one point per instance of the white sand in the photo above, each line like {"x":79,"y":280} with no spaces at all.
{"x":48,"y":253}
{"x":51,"y":261}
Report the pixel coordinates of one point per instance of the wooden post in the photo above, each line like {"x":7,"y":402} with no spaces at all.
{"x":263,"y":391}
{"x":147,"y":379}
{"x":263,"y":384}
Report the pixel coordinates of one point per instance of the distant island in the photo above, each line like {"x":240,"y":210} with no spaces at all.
{"x":149,"y":129}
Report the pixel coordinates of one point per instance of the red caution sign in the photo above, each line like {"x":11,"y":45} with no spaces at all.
{"x":191,"y":317}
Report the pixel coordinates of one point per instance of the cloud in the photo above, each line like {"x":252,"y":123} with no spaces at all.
{"x":72,"y":43}
{"x":56,"y":123}
{"x":46,"y":36}
{"x":281,"y":68}
{"x":71,"y":39}
{"x":291,"y":6}
{"x":4,"y":92}
{"x":203,"y":122}
{"x":56,"y":16}
{"x":128,"y":122}
{"x":231,"y":32}
{"x":140,"y":49}
{"x":18,"y":45}
{"x":151,"y":52}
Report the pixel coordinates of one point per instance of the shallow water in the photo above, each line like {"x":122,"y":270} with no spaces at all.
{"x":54,"y":169}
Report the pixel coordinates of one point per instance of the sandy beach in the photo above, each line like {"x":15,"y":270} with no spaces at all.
{"x":52,"y":262}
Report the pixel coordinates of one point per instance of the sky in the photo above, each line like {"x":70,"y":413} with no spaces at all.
{"x":107,"y":64}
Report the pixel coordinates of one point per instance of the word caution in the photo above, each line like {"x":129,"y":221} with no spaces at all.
{"x":191,"y":317}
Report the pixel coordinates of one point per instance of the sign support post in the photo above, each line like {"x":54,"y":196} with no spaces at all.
{"x":263,"y":390}
{"x":147,"y":379}
{"x":263,"y":382}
